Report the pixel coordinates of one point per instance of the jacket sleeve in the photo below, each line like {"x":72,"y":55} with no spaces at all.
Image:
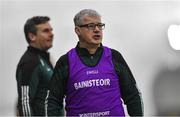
{"x":27,"y":81}
{"x":57,"y":88}
{"x":129,"y":91}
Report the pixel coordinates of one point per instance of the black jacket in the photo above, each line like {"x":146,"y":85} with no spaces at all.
{"x":33,"y":75}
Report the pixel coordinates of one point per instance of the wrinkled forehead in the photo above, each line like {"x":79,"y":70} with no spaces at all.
{"x":43,"y":26}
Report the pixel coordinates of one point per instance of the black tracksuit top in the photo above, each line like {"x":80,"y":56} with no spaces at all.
{"x":33,"y":74}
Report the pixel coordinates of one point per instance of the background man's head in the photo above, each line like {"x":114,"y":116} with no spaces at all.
{"x":38,"y":32}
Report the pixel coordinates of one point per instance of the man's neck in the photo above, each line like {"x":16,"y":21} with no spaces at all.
{"x":37,"y":47}
{"x":91,"y":48}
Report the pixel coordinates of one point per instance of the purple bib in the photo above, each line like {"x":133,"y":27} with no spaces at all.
{"x":93,"y":91}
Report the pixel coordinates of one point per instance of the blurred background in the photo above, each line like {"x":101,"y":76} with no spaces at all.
{"x":136,"y":28}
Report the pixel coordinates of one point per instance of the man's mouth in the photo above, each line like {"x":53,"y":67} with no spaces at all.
{"x":97,"y":37}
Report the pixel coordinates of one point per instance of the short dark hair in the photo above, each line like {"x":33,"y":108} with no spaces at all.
{"x":30,"y":25}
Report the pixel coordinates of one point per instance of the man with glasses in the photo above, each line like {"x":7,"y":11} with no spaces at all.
{"x":91,"y":77}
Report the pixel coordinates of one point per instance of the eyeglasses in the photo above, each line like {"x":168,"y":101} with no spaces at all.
{"x":92,"y":26}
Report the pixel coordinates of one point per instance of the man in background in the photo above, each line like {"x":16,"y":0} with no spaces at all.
{"x":34,"y":69}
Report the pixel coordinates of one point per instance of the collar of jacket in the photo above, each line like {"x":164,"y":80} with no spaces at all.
{"x":42,"y":53}
{"x":85,"y":52}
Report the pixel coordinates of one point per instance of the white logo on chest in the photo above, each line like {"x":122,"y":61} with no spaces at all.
{"x":92,"y":72}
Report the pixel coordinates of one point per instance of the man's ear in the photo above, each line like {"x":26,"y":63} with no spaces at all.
{"x":32,"y":37}
{"x":77,"y":30}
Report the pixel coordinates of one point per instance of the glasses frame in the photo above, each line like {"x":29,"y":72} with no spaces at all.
{"x":92,"y":26}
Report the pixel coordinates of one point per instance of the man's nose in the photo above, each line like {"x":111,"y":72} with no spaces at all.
{"x":51,"y":34}
{"x":97,"y":29}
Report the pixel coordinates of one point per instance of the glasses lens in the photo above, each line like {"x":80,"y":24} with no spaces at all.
{"x":91,"y":26}
{"x":101,"y":26}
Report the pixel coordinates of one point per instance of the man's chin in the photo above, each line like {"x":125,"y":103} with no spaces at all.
{"x":48,"y":47}
{"x":97,"y":43}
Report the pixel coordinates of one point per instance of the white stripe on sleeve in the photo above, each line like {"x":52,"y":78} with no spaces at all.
{"x":46,"y":103}
{"x":25,"y":101}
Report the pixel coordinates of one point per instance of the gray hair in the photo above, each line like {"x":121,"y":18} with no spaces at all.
{"x":85,"y":12}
